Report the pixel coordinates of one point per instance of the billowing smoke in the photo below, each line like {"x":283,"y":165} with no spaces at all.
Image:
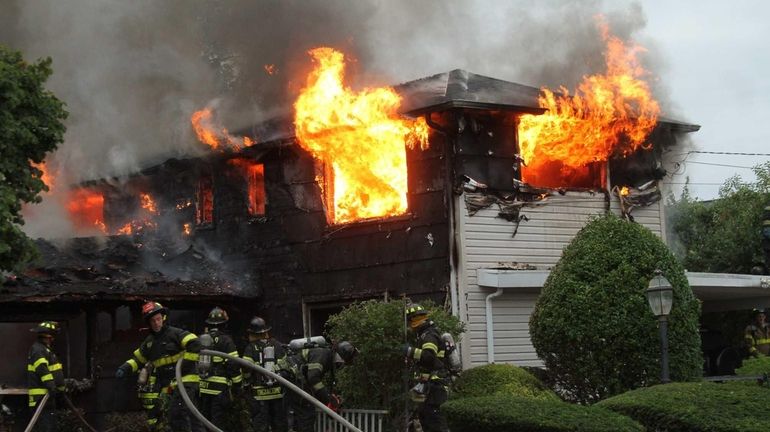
{"x":132,"y":72}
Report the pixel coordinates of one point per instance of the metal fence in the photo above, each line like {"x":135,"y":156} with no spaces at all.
{"x":364,"y":419}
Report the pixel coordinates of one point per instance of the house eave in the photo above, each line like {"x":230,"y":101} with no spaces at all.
{"x":717,"y":291}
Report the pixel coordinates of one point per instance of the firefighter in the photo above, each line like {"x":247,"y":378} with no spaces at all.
{"x":266,"y":402}
{"x":224,"y":376}
{"x":431,"y":374}
{"x":161,"y":349}
{"x":766,"y":237}
{"x":757,"y":334}
{"x":44,"y":374}
{"x":307,"y":367}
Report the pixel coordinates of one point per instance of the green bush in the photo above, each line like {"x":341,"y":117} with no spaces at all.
{"x":696,"y":407}
{"x":754,"y":366}
{"x":505,"y":413}
{"x":592,"y":325}
{"x":379,"y":377}
{"x":500,"y":378}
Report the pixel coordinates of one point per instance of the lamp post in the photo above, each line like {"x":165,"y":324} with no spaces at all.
{"x":660,"y":296}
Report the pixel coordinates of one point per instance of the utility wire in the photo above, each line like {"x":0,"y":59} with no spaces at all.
{"x":722,"y":153}
{"x":720,"y":165}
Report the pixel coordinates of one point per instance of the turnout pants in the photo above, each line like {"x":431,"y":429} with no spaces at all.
{"x":180,"y":419}
{"x":214,"y":407}
{"x":269,"y":415}
{"x":429,"y":411}
{"x":46,"y":422}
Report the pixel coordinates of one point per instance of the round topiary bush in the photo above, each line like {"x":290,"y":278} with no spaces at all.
{"x":500,"y":378}
{"x":592,"y":325}
{"x":696,"y":407}
{"x":505,"y":413}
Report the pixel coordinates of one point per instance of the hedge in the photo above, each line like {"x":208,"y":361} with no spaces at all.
{"x":754,"y":366}
{"x":592,"y":325}
{"x":696,"y":407}
{"x":500,"y":378}
{"x":506,"y":413}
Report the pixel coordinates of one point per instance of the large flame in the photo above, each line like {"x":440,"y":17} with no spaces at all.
{"x":361,"y":139}
{"x":214,"y":135}
{"x":608,"y":115}
{"x":86,"y":210}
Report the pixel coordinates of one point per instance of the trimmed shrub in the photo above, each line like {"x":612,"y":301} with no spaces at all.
{"x":696,"y":407}
{"x":500,"y":378}
{"x":592,"y":325}
{"x":754,"y":366}
{"x":505,"y":413}
{"x":379,"y":378}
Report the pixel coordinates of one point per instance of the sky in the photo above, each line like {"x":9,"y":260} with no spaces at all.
{"x":133,"y":72}
{"x":718,"y":73}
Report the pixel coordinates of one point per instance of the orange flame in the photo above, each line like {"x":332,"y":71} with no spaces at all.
{"x":624,"y":191}
{"x":187,"y":229}
{"x":271,"y":69}
{"x":45,"y":175}
{"x":254,"y":174}
{"x":215,"y":136}
{"x":148,"y":203}
{"x":86,"y":209}
{"x":609,"y":115}
{"x":361,"y":139}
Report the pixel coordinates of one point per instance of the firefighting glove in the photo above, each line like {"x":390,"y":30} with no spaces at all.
{"x":50,"y":386}
{"x":407,"y":350}
{"x":123,"y":371}
{"x":334,"y":402}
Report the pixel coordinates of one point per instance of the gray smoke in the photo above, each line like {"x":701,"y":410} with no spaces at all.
{"x":132,"y":72}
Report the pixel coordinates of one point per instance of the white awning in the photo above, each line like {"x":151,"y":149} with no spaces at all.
{"x":717,"y":291}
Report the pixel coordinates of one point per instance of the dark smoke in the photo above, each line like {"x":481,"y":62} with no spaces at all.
{"x":132,"y":72}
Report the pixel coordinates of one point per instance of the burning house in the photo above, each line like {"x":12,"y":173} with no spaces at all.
{"x":445,"y":196}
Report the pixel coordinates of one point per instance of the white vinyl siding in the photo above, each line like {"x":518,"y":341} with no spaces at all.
{"x":487,"y":241}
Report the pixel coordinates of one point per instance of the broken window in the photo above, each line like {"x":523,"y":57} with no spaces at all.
{"x":204,"y":202}
{"x":254,"y":175}
{"x":86,"y":210}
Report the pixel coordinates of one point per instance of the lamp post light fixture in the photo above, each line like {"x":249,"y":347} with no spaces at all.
{"x":660,"y":296}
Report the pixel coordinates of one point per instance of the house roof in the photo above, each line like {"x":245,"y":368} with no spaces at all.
{"x":118,"y":267}
{"x":454,"y":89}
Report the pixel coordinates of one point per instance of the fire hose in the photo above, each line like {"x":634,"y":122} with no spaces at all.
{"x":42,"y":403}
{"x":244,"y":363}
{"x":37,"y":412}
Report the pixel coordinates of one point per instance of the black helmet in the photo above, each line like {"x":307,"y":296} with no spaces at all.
{"x":257,"y":325}
{"x":414,"y":310}
{"x":347,"y":351}
{"x":151,"y":308}
{"x":46,"y":327}
{"x":757,"y":311}
{"x":217,"y":316}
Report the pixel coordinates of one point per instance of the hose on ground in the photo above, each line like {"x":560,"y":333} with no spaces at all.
{"x":244,"y":363}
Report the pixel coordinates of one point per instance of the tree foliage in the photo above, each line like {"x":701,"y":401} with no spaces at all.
{"x":379,"y":376}
{"x":30,"y":126}
{"x":723,"y":235}
{"x":592,"y":325}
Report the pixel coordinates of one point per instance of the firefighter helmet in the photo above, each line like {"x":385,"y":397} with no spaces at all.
{"x":757,"y":311}
{"x":46,"y":327}
{"x":414,"y":310}
{"x":217,"y":316}
{"x":257,"y":325}
{"x":151,"y":308}
{"x":347,"y":351}
{"x":416,"y":316}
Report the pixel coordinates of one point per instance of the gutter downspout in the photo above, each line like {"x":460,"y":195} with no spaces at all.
{"x":490,"y":326}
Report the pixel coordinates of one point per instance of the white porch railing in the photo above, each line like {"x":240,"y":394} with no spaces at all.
{"x":364,"y":419}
